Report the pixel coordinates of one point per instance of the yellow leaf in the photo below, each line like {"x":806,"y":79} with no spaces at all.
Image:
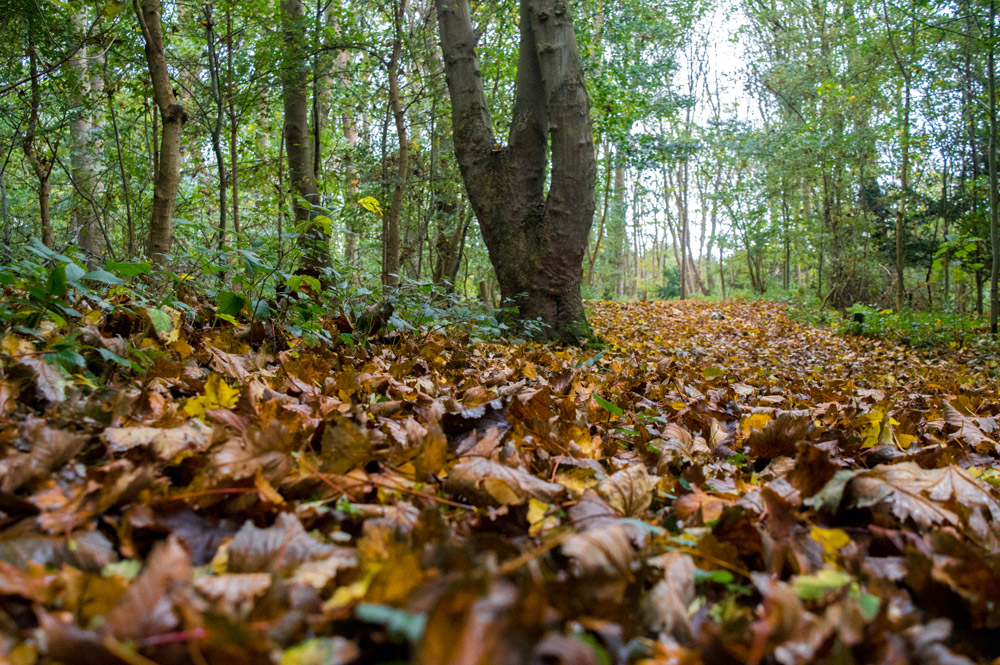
{"x":371,"y":204}
{"x":870,"y":427}
{"x":529,"y":371}
{"x":218,"y":395}
{"x":831,"y":540}
{"x":538,"y":518}
{"x":756,"y":421}
{"x":266,"y":489}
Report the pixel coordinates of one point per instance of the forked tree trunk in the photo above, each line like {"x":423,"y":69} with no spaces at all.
{"x":536,"y":239}
{"x":173,"y":117}
{"x":312,"y":238}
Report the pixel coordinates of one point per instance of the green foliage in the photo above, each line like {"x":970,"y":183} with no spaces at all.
{"x":915,"y":328}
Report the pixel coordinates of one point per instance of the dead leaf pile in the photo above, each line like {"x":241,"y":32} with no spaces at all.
{"x":716,"y":485}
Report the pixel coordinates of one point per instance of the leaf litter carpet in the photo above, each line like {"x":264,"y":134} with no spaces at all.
{"x":717,"y":485}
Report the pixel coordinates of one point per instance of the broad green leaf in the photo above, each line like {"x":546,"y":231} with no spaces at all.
{"x":127,"y":269}
{"x":104,"y":277}
{"x":56,"y":287}
{"x":610,"y":407}
{"x":231,"y":303}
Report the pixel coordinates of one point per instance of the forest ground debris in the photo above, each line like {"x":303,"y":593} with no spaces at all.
{"x":717,"y":485}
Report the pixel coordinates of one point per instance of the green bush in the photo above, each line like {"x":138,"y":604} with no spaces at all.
{"x":914,"y":328}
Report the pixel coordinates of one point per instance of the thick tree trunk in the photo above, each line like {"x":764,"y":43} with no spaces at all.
{"x":536,"y":239}
{"x":312,"y":239}
{"x":173,"y":117}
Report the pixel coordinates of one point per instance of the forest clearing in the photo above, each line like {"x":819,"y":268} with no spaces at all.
{"x":718,"y":484}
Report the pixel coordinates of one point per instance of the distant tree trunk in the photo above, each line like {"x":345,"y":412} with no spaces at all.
{"x":592,"y":256}
{"x":84,"y":225}
{"x":172,"y":117}
{"x":994,"y":213}
{"x":41,"y":167}
{"x":616,"y":230}
{"x":390,"y":242}
{"x":312,"y":239}
{"x":350,"y":130}
{"x":904,"y":169}
{"x":215,"y":86}
{"x":234,"y":167}
{"x":536,"y":240}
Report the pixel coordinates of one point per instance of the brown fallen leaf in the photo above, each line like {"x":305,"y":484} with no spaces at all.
{"x":629,"y":491}
{"x":485,"y":482}
{"x":282,"y":546}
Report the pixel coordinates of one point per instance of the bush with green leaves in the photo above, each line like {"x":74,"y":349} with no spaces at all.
{"x":915,"y":328}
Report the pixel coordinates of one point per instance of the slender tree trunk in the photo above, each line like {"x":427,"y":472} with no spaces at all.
{"x":994,"y":213}
{"x":536,"y":240}
{"x":84,"y":225}
{"x":904,"y":181}
{"x":390,"y":242}
{"x":312,"y":238}
{"x":233,"y":120}
{"x":215,"y":85}
{"x":592,"y":256}
{"x":41,"y":167}
{"x":129,"y":224}
{"x":173,"y":117}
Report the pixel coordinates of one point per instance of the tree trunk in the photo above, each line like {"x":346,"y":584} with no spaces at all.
{"x":84,"y":224}
{"x":233,"y":123}
{"x":41,"y":167}
{"x":536,"y":239}
{"x":390,"y":242}
{"x":215,"y":85}
{"x":994,"y":213}
{"x":173,"y":117}
{"x":312,"y":238}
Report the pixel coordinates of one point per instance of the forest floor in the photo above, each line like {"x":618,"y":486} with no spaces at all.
{"x":719,"y":484}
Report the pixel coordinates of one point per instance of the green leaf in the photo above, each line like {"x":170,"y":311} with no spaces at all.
{"x":161,"y":321}
{"x":868,"y":603}
{"x":114,"y":357}
{"x":713,"y":372}
{"x":408,"y":624}
{"x":230,"y":303}
{"x":717,"y":576}
{"x":74,"y":272}
{"x":104,"y":277}
{"x":126,"y":269}
{"x":262,"y":310}
{"x":56,"y":287}
{"x":610,"y":407}
{"x":814,"y":587}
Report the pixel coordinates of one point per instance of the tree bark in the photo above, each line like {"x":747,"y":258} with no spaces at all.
{"x":233,"y":120}
{"x":312,"y":239}
{"x":173,"y":117}
{"x":536,"y":239}
{"x":84,"y":225}
{"x":390,"y":242}
{"x":994,"y":213}
{"x":215,"y":86}
{"x":41,"y":167}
